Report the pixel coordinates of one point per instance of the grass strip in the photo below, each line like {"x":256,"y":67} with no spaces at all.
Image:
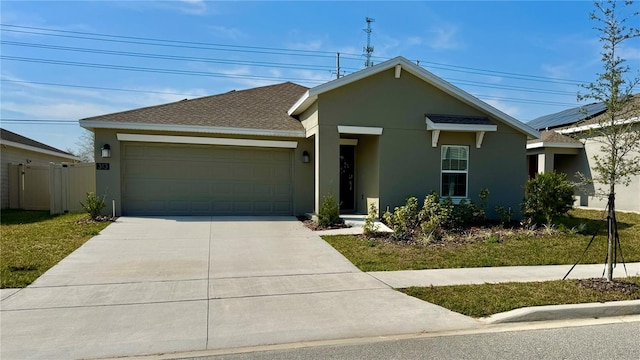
{"x":34,"y":241}
{"x":488,"y":299}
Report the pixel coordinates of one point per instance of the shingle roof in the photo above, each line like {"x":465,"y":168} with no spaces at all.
{"x":258,"y":108}
{"x":455,"y":119}
{"x":19,"y":139}
{"x":551,"y":136}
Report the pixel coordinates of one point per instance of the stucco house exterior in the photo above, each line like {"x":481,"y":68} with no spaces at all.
{"x":568,"y":145}
{"x":378,"y":135}
{"x":17,"y":149}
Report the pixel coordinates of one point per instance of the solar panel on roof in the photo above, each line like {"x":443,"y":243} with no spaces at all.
{"x":567,"y":117}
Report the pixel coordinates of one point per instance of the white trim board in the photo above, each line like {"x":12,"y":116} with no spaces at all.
{"x":96,"y":124}
{"x":207,"y":141}
{"x":537,"y":145}
{"x":38,"y":150}
{"x":576,"y":129}
{"x":359,"y":130}
{"x":459,"y":127}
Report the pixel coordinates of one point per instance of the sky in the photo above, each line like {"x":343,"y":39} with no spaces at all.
{"x":61,"y":61}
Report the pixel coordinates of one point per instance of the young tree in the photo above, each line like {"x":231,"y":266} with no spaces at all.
{"x":615,"y":130}
{"x":85,"y":145}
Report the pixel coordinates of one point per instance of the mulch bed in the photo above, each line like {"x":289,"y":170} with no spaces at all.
{"x":316,"y":227}
{"x":604,"y":286}
{"x":101,"y":218}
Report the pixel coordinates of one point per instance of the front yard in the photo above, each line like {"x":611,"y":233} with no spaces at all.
{"x":483,"y":248}
{"x":489,"y":247}
{"x":34,"y":241}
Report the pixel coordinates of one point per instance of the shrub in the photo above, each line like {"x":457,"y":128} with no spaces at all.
{"x":369,"y":227}
{"x":93,"y":204}
{"x":404,"y":219}
{"x":547,"y":197}
{"x":505,"y":214}
{"x":329,"y":212}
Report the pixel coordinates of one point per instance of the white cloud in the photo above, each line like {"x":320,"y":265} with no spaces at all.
{"x":70,"y":110}
{"x":309,"y":45}
{"x":629,"y":53}
{"x":193,"y":7}
{"x":444,"y":37}
{"x":512,"y":110}
{"x":227,"y":33}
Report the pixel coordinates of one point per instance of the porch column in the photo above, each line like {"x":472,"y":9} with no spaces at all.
{"x":327,"y":164}
{"x":545,"y":162}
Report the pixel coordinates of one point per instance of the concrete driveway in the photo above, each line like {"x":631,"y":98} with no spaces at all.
{"x":157,"y":285}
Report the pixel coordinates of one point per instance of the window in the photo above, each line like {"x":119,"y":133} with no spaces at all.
{"x":455,"y":167}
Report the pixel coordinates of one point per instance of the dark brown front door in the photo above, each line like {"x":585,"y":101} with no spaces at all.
{"x":347,"y":178}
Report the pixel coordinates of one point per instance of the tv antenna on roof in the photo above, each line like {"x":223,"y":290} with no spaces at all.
{"x":368,"y":50}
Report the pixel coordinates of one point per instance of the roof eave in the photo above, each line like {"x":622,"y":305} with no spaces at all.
{"x":39,"y":150}
{"x":97,"y":124}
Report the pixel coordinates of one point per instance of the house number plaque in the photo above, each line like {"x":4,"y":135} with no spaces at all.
{"x":102,"y":166}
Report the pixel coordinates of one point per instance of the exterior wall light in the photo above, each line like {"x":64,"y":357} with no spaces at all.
{"x":106,"y":151}
{"x":305,"y":157}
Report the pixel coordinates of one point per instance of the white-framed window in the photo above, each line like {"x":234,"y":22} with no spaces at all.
{"x":454,"y":171}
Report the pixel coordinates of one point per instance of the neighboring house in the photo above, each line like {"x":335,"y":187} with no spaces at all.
{"x":379,"y":135}
{"x":567,"y":146}
{"x":17,"y":149}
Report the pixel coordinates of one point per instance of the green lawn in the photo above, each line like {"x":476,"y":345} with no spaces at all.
{"x":512,"y":249}
{"x":34,"y":241}
{"x":487,"y":299}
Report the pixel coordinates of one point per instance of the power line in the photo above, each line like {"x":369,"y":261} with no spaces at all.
{"x":273,"y":50}
{"x":177,"y":45}
{"x":171,"y":57}
{"x":99,"y":88}
{"x":153,"y":70}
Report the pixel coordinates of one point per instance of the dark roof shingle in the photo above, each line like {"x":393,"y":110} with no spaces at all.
{"x":258,"y":108}
{"x":551,"y":136}
{"x":457,"y":119}
{"x":16,"y":138}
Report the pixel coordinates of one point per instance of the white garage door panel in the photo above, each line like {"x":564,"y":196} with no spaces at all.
{"x":169,"y":179}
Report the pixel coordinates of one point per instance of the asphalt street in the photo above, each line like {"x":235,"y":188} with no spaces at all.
{"x":601,"y":341}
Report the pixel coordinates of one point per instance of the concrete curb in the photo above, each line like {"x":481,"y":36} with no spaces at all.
{"x":566,"y":312}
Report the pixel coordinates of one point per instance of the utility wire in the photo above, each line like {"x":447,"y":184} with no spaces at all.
{"x":273,"y":50}
{"x":172,"y":57}
{"x":153,"y":70}
{"x":99,"y":88}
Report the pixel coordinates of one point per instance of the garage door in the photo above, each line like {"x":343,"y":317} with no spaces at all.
{"x":169,"y":179}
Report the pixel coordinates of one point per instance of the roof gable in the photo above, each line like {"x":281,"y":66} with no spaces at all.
{"x":402,"y":64}
{"x":261,"y":108}
{"x":10,"y":138}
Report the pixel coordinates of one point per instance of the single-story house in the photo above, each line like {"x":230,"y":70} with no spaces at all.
{"x":17,"y":149}
{"x":379,"y":135}
{"x":568,"y":145}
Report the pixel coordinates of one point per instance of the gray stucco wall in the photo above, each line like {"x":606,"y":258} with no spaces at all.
{"x":408,"y":164}
{"x":108,"y":182}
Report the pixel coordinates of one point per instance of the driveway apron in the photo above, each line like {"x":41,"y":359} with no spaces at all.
{"x":159,"y":285}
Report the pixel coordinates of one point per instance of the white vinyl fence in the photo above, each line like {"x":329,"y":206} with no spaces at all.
{"x":58,"y":188}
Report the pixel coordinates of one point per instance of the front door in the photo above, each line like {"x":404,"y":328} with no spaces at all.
{"x":347,"y":178}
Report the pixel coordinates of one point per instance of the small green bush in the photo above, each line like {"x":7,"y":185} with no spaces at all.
{"x":410,"y":221}
{"x":93,"y":204}
{"x":505,"y":214}
{"x":404,"y":219}
{"x":329,"y":213}
{"x":547,"y":197}
{"x":369,"y":227}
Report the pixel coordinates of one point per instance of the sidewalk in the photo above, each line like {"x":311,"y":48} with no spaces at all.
{"x":464,"y":276}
